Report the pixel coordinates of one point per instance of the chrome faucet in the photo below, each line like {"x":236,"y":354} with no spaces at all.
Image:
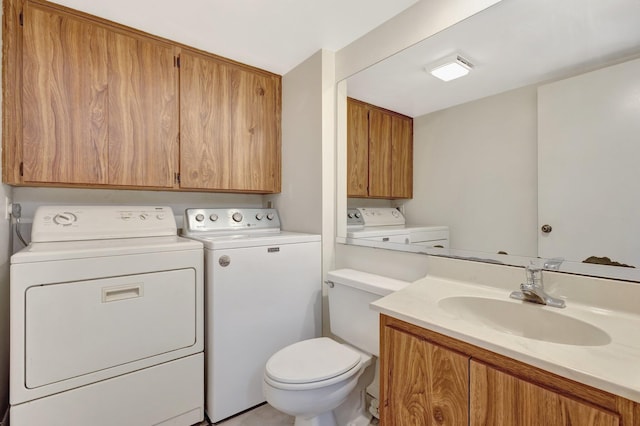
{"x":532,"y":290}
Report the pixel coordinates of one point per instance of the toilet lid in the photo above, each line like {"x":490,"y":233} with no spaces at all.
{"x":311,"y":361}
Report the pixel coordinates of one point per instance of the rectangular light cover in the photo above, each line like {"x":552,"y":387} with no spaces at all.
{"x":452,"y":69}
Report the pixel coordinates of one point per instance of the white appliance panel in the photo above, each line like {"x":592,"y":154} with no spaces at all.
{"x":265,"y":298}
{"x":77,"y":328}
{"x":171,"y":393}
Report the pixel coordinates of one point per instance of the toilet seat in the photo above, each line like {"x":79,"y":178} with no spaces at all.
{"x":311,"y":364}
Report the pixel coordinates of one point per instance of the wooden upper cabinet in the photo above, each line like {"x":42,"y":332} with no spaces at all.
{"x":498,"y":398}
{"x":88,"y":102}
{"x":229,"y":126}
{"x":379,"y":152}
{"x":401,"y":157}
{"x":422,"y":383}
{"x":143,"y":112}
{"x":65,"y":98}
{"x":357,"y":149}
{"x":100,"y":107}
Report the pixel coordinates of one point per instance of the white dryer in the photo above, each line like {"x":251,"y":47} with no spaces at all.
{"x":263,"y":292}
{"x":106,"y":320}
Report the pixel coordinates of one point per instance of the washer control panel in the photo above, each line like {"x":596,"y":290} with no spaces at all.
{"x":197,"y":221}
{"x":76,"y":223}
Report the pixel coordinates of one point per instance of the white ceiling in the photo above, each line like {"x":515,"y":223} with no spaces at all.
{"x":512,"y":44}
{"x":274,"y":35}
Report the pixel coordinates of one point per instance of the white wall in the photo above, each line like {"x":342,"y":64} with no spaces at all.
{"x":475,"y":170}
{"x":300,"y":202}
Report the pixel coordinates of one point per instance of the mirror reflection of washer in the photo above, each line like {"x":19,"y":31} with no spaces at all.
{"x":263,"y":292}
{"x":107,"y":320}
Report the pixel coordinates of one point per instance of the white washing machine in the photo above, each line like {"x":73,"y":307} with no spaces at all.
{"x":387,"y":224}
{"x":263,"y":290}
{"x":106,"y":320}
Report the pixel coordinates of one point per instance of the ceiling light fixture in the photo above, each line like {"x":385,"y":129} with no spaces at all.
{"x":450,"y":68}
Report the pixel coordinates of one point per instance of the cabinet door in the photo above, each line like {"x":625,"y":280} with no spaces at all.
{"x":379,"y":154}
{"x":229,"y":127}
{"x":357,"y":149}
{"x":498,"y":399}
{"x":205,"y":125}
{"x":422,"y":383}
{"x":401,"y":157}
{"x":143,"y":112}
{"x":64,"y":98}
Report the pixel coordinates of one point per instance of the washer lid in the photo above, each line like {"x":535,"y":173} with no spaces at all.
{"x":310,"y":361}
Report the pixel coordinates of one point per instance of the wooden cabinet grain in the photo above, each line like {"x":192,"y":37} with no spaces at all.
{"x":92,"y":103}
{"x":421,"y":369}
{"x":379,"y":152}
{"x":429,"y":387}
{"x":230,"y":137}
{"x":65,"y":98}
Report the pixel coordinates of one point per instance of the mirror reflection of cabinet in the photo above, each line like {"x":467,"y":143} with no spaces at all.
{"x":379,"y":152}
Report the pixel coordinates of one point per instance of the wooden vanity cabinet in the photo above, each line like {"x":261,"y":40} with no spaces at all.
{"x":429,"y":387}
{"x":95,"y":104}
{"x":430,"y":379}
{"x":379,"y":152}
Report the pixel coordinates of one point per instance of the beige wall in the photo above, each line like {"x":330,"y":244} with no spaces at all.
{"x":476,"y":171}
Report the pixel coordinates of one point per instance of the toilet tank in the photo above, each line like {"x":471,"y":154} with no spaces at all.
{"x":350,"y":317}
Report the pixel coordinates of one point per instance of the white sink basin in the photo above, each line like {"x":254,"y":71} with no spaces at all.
{"x":525,"y":319}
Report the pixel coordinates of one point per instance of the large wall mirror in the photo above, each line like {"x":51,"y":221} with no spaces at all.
{"x":544,"y":130}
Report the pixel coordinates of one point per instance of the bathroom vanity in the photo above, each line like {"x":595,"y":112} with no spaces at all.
{"x":458,"y":351}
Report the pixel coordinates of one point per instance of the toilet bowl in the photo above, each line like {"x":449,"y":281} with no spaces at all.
{"x":319,"y":380}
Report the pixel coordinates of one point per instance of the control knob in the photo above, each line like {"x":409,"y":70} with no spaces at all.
{"x":199,"y":217}
{"x":270,"y":216}
{"x":237,"y":217}
{"x":65,"y":218}
{"x":259,"y":216}
{"x":213,"y":217}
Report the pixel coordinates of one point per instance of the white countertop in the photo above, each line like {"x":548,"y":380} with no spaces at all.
{"x":613,"y":367}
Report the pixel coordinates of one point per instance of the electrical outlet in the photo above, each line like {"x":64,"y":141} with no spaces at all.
{"x":7,"y":208}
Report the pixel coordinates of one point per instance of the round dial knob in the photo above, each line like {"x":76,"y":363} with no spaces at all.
{"x":395,"y":213}
{"x":270,"y":216}
{"x":237,"y":217}
{"x":65,"y":218}
{"x":259,"y":216}
{"x":213,"y":217}
{"x":358,"y":215}
{"x":160,"y":216}
{"x":199,"y":217}
{"x":350,"y":215}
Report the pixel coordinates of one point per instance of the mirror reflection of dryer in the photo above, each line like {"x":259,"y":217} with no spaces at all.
{"x":388,"y":224}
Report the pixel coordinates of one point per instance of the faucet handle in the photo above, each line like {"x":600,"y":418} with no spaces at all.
{"x":533,"y":274}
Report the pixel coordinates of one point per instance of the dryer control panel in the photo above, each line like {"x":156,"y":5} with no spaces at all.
{"x":77,"y":223}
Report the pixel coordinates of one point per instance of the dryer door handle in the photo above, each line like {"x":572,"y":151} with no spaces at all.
{"x":113,"y":294}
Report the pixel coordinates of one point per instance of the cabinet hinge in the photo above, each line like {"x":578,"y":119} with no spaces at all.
{"x":176,"y":177}
{"x":21,"y":19}
{"x":21,"y":168}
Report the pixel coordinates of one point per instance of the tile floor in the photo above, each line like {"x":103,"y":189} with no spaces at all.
{"x":264,"y":415}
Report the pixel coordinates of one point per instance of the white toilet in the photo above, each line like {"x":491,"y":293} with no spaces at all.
{"x":317,"y":380}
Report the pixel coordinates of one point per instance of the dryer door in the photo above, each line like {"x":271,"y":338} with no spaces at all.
{"x":76,"y":328}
